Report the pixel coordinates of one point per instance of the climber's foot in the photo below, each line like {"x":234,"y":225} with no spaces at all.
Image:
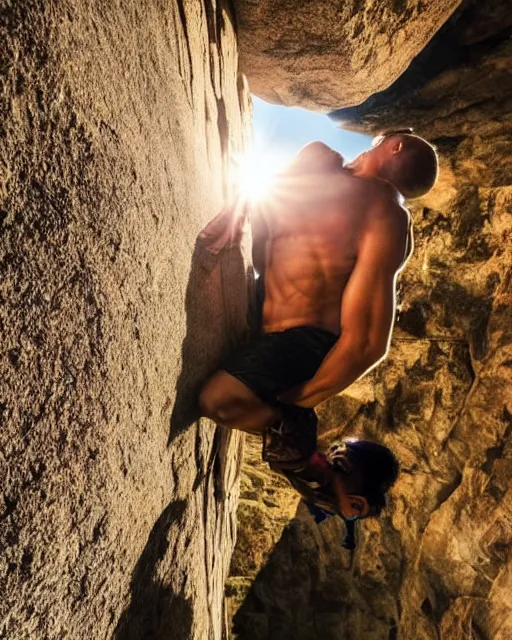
{"x":291,"y":440}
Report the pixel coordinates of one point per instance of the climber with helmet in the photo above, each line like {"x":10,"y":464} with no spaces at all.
{"x":350,"y":480}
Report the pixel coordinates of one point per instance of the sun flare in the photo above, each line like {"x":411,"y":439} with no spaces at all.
{"x":255,"y":171}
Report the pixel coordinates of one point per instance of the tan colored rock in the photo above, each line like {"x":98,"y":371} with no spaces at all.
{"x":326,"y":54}
{"x":117,"y":508}
{"x":267,"y":503}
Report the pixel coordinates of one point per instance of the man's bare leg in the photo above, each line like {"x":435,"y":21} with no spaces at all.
{"x":228,"y":402}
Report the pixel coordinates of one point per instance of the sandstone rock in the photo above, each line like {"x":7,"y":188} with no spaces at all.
{"x":461,"y":79}
{"x":322,"y":55}
{"x":267,"y":503}
{"x":117,"y":508}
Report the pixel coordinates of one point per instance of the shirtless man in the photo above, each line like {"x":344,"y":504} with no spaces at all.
{"x":328,"y":243}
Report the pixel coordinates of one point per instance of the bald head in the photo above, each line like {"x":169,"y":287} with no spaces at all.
{"x":408,"y":162}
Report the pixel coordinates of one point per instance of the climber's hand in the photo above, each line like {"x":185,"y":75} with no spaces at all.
{"x":225,"y":230}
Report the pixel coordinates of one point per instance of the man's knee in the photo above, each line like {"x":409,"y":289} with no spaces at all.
{"x":216,"y":400}
{"x":223,"y":399}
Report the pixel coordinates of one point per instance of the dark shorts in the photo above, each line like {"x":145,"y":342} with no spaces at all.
{"x":273,"y":362}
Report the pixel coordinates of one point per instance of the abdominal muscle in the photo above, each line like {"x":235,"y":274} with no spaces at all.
{"x":304,"y":281}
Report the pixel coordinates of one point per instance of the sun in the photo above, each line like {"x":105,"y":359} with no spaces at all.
{"x":255,"y":171}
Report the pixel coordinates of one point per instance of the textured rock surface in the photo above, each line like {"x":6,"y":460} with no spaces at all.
{"x":116,"y":508}
{"x":439,"y":565}
{"x":324,"y":54}
{"x":267,"y":503}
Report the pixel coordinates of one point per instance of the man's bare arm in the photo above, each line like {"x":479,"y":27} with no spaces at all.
{"x":367,"y":311}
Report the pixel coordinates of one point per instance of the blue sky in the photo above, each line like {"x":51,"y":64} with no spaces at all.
{"x":287,"y":129}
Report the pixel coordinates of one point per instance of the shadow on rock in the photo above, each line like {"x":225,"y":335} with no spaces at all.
{"x":216,"y":308}
{"x":311,"y":588}
{"x":281,"y":602}
{"x":156,"y":611}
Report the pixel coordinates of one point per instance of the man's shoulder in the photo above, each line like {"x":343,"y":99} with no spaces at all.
{"x":387,"y":226}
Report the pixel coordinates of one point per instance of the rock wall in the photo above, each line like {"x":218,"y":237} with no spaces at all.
{"x":327,"y":53}
{"x":439,"y":564}
{"x":117,"y":507}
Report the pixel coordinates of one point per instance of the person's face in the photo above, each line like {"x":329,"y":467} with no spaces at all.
{"x":348,"y":483}
{"x":352,"y":505}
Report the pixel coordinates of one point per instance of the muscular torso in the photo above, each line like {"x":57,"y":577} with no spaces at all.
{"x":313,"y":227}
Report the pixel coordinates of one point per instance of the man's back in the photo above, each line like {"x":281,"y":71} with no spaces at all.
{"x":314,"y":225}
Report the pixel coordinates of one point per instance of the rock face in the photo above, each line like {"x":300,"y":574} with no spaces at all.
{"x":116,"y":506}
{"x":439,"y":564}
{"x":324,"y":54}
{"x":267,"y":503}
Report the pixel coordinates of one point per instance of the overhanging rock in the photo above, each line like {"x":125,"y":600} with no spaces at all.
{"x":326,"y":54}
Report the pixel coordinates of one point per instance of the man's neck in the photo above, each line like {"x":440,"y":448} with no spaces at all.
{"x":374,"y":175}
